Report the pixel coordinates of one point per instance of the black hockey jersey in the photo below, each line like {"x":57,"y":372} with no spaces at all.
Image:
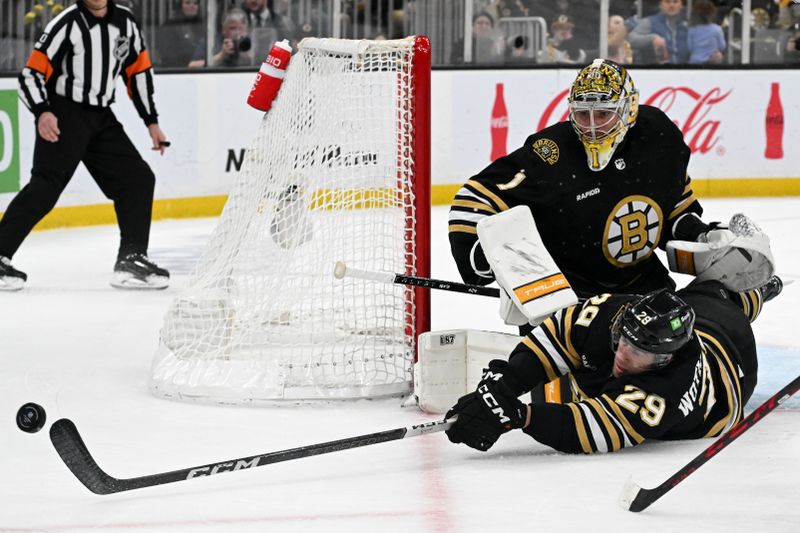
{"x":701,"y":393}
{"x":600,"y":227}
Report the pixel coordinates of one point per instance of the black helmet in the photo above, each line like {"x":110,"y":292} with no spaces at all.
{"x":659,"y":322}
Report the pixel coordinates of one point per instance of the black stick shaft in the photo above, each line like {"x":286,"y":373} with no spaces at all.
{"x":645,"y":497}
{"x":452,"y":286}
{"x":70,"y":446}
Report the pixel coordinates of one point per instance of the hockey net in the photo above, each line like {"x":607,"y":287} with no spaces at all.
{"x":338,"y":171}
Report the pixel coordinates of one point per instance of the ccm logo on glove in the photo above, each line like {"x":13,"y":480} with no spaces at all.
{"x":490,"y":401}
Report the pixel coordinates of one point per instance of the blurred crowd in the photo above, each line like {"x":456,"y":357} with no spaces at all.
{"x":699,"y":32}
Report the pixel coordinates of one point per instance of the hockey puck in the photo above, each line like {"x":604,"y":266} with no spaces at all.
{"x":31,"y":417}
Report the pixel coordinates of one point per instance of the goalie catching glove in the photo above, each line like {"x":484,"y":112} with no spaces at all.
{"x":738,"y":255}
{"x":490,"y":411}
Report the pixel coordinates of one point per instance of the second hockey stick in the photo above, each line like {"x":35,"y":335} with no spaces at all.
{"x":635,"y":498}
{"x":341,"y":270}
{"x":69,"y":445}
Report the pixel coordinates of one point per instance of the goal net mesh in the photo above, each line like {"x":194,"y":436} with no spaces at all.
{"x":329,"y":177}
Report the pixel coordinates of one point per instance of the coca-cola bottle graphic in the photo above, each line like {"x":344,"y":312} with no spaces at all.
{"x":499,"y":125}
{"x":774,"y":125}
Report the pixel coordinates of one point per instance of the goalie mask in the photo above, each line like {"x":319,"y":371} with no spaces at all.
{"x":652,"y":329}
{"x":603,"y":105}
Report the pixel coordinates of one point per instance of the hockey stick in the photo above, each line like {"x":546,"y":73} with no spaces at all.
{"x":69,"y":445}
{"x":341,"y":270}
{"x":634,"y":498}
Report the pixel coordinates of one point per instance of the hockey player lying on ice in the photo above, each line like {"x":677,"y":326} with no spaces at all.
{"x":676,"y":365}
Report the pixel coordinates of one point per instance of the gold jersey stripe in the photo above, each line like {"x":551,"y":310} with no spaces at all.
{"x":555,"y":339}
{"x":462,"y":228}
{"x":567,"y":329}
{"x":731,"y":381}
{"x":745,"y":305}
{"x":732,"y":368}
{"x":580,"y":428}
{"x":473,"y":204}
{"x":479,"y":187}
{"x":622,"y":419}
{"x":548,"y":366}
{"x":609,"y":425}
{"x":681,"y":207}
{"x":755,"y":298}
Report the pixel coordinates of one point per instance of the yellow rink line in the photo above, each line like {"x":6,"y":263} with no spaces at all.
{"x":209,"y":206}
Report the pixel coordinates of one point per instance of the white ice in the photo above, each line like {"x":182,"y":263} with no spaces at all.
{"x":83,"y":350}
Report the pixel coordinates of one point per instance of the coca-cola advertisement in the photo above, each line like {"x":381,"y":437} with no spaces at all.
{"x":734,"y":122}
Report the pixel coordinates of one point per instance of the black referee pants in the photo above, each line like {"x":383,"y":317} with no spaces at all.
{"x":91,"y":135}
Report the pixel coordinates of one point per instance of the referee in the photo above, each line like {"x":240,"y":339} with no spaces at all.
{"x":68,"y":84}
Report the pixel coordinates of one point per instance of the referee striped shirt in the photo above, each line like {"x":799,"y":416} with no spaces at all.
{"x":79,"y":57}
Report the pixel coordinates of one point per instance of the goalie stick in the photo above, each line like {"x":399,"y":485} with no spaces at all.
{"x":634,"y":498}
{"x":341,"y":270}
{"x":69,"y":445}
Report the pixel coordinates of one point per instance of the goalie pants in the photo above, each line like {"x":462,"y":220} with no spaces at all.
{"x":91,"y":135}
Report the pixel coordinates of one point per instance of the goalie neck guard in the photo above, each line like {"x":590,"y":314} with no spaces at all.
{"x":659,"y":323}
{"x":603,"y":105}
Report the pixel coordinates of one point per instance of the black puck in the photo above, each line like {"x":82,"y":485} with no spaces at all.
{"x":31,"y":417}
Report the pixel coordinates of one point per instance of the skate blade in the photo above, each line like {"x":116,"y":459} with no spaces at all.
{"x":9,"y":283}
{"x":127,"y":281}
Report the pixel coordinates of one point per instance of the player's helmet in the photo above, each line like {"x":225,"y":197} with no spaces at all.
{"x":659,"y":322}
{"x":603,"y":105}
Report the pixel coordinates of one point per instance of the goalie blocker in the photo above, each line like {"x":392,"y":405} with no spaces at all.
{"x":533,"y":284}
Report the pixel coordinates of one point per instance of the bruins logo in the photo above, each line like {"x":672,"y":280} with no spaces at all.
{"x":632,"y":231}
{"x":547,"y":150}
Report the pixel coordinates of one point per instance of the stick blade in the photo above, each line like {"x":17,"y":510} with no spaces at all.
{"x":69,"y":445}
{"x":628,"y":496}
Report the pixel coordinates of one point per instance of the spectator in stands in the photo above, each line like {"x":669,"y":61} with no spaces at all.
{"x":619,"y":49}
{"x":793,"y":46}
{"x":583,"y":14}
{"x":178,"y":37}
{"x":235,"y":50}
{"x":788,"y":13}
{"x":706,"y":40}
{"x":663,"y":37}
{"x":561,"y":47}
{"x":487,"y":6}
{"x":487,"y":45}
{"x":513,"y":8}
{"x":266,"y":25}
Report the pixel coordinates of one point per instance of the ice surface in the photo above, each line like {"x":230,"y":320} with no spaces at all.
{"x":82,"y":350}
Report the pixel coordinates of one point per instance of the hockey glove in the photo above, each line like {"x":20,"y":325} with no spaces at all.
{"x":490,"y":411}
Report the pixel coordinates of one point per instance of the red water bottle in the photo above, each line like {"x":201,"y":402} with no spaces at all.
{"x":774,"y":125}
{"x":270,"y":76}
{"x":499,"y":126}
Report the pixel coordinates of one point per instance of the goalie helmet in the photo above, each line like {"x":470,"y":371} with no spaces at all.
{"x":603,"y":105}
{"x":659,"y":323}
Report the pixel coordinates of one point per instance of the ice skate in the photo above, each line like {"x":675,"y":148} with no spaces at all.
{"x":11,"y":279}
{"x":136,"y":272}
{"x":771,"y":288}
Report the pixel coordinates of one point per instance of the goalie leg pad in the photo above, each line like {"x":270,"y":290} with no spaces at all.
{"x":450,"y":364}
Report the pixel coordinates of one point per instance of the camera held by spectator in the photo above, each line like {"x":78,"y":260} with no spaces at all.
{"x":242,"y":44}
